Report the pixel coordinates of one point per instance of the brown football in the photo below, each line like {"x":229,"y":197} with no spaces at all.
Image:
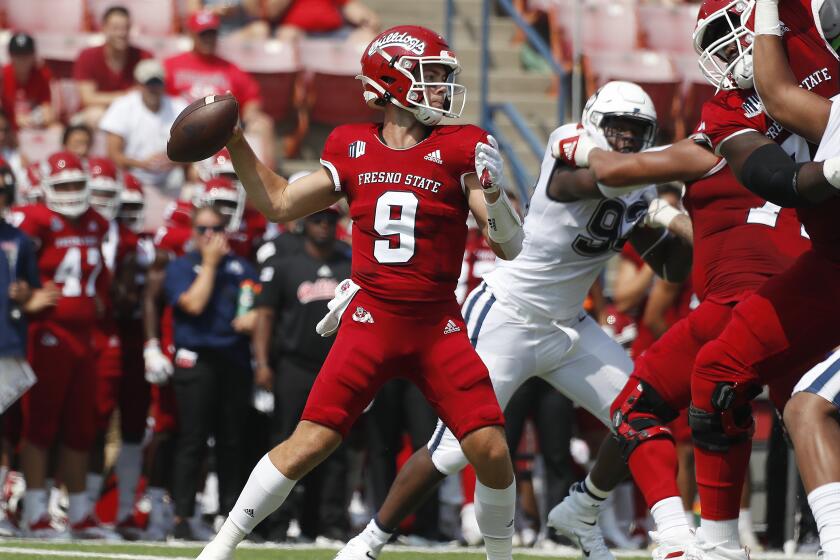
{"x":203,"y":128}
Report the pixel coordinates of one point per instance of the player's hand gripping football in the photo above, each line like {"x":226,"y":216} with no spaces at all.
{"x":489,"y":166}
{"x":574,"y":151}
{"x":158,"y":367}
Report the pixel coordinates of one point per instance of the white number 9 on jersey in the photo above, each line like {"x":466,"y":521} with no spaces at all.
{"x":401,"y":226}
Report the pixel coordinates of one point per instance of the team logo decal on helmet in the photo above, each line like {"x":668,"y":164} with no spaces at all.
{"x":395,"y":69}
{"x":724,"y":40}
{"x":105,"y":187}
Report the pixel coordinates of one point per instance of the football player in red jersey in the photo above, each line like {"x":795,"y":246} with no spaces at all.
{"x":117,"y":385}
{"x":740,"y":241}
{"x":410,"y":184}
{"x":61,"y":407}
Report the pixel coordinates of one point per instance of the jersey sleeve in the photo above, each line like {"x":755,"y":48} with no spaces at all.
{"x":334,"y":157}
{"x":466,"y":164}
{"x":830,"y":143}
{"x":178,"y":280}
{"x":271,"y":294}
{"x":721,"y":119}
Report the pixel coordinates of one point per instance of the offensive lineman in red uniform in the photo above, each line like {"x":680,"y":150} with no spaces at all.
{"x":740,"y":241}
{"x":62,"y":404}
{"x":410,"y":185}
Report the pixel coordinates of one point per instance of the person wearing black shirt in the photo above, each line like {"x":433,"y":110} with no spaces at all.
{"x":296,"y":288}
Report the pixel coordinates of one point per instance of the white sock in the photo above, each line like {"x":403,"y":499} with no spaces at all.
{"x":34,"y":504}
{"x":669,"y":516}
{"x":93,"y":486}
{"x":375,"y":536}
{"x":690,"y":520}
{"x":721,"y":533}
{"x":265,"y":491}
{"x":128,"y":468}
{"x":745,"y":520}
{"x":79,"y":508}
{"x":825,"y":504}
{"x":494,"y":512}
{"x":591,"y":496}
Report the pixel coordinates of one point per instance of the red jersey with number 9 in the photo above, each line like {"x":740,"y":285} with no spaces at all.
{"x":408,"y":206}
{"x":69,"y":255}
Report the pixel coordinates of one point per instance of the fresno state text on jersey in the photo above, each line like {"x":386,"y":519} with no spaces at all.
{"x":408,"y":206}
{"x":69,"y":255}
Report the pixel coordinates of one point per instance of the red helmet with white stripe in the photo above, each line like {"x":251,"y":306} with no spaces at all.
{"x":226,"y":197}
{"x":395,"y":70}
{"x":105,"y":187}
{"x":64,"y":180}
{"x":132,"y":203}
{"x":724,"y":40}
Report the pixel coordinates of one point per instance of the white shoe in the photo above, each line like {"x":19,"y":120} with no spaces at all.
{"x":469,"y":526}
{"x":357,"y":549}
{"x":712,"y":551}
{"x":579,"y":522}
{"x":216,"y":551}
{"x":676,"y":549}
{"x":749,"y":540}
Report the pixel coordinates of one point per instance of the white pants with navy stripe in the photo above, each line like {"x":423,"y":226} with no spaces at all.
{"x":823,"y":380}
{"x":580,"y":360}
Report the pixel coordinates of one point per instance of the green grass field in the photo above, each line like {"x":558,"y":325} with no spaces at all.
{"x":29,"y":550}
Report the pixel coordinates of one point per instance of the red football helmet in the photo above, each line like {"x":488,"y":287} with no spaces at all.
{"x":724,"y":40}
{"x":220,"y":165}
{"x":105,"y":187}
{"x":132,"y":203}
{"x":223,"y":195}
{"x":394,"y":71}
{"x":178,"y":214}
{"x":64,"y":180}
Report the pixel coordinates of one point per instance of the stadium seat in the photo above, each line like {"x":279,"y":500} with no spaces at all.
{"x":274,"y":64}
{"x":148,"y":17}
{"x":653,"y":71}
{"x":608,"y":27}
{"x":695,"y":90}
{"x":37,"y":144}
{"x":334,"y":94}
{"x":668,"y":28}
{"x":162,"y":47}
{"x":59,"y":16}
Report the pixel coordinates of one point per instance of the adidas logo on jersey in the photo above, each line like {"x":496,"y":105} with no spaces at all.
{"x":434,"y":156}
{"x":362,"y":315}
{"x":451,"y":327}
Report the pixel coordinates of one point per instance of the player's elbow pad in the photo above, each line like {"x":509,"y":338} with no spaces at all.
{"x":504,"y":228}
{"x":615,"y":192}
{"x":771,"y":174}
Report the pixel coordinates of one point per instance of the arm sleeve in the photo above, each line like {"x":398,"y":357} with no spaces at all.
{"x":727,"y":115}
{"x":113,"y":120}
{"x":178,"y":280}
{"x":334,"y":156}
{"x":83,"y":67}
{"x":270,"y":294}
{"x":247,"y":88}
{"x":830,"y":143}
{"x":28,"y":263}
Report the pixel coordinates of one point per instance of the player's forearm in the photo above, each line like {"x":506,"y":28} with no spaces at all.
{"x":263,"y":187}
{"x":194,"y":300}
{"x":151,"y":299}
{"x":681,"y":227}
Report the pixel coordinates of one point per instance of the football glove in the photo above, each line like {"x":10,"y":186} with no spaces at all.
{"x":489,"y":165}
{"x":158,"y":367}
{"x":574,"y":151}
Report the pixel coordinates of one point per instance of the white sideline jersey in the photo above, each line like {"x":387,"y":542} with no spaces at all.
{"x":566,"y":246}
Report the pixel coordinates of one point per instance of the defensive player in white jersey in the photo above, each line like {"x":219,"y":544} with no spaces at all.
{"x":526,"y":318}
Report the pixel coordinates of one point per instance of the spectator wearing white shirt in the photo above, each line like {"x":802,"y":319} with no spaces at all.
{"x":137,"y":126}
